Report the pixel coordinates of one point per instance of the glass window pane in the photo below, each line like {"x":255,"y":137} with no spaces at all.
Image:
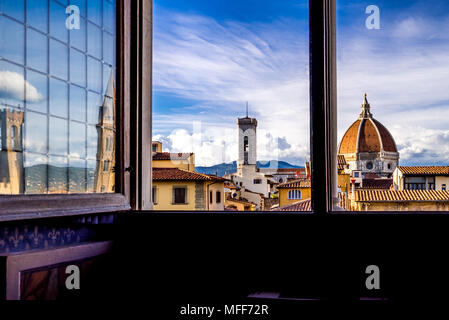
{"x":12,"y":85}
{"x":109,"y":15}
{"x":59,"y":98}
{"x":78,"y":67}
{"x":12,"y":40}
{"x":36,"y":166}
{"x":94,"y":40}
{"x":94,"y":11}
{"x":77,"y":103}
{"x":36,"y":132}
{"x":92,"y":142}
{"x":77,"y":140}
{"x":37,"y":14}
{"x":37,"y":50}
{"x":58,"y":136}
{"x":58,"y":19}
{"x":81,"y":4}
{"x":58,"y":59}
{"x":36,"y":91}
{"x":393,"y":105}
{"x":78,"y":37}
{"x":77,"y":176}
{"x":108,"y":48}
{"x":231,"y":99}
{"x":94,"y":74}
{"x":57,"y":175}
{"x":93,"y":107}
{"x":15,"y":9}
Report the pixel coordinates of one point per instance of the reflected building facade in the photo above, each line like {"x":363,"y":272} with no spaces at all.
{"x":11,"y":154}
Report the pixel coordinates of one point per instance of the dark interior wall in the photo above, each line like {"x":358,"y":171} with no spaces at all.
{"x":182,"y":258}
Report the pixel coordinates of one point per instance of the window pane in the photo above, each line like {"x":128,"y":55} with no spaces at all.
{"x":393,"y":107}
{"x":58,"y":19}
{"x":231,"y":104}
{"x":58,"y":59}
{"x":57,"y":98}
{"x":13,"y":9}
{"x":37,"y":14}
{"x":12,"y":44}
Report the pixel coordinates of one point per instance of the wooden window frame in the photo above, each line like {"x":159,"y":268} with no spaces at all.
{"x":134,"y":36}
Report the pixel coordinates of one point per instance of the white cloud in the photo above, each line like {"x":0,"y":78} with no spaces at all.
{"x":223,"y":65}
{"x":12,"y":85}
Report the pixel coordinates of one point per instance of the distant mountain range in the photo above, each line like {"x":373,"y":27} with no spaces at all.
{"x":227,"y":168}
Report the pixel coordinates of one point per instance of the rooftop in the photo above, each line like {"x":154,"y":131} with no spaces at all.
{"x":170,"y":174}
{"x":171,"y":156}
{"x":377,"y":183}
{"x":299,"y":183}
{"x":303,"y":205}
{"x":400,"y":195}
{"x":341,"y":162}
{"x":424,"y":170}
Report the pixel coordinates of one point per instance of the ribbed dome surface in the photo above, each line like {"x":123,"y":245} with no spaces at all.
{"x":367,"y":135}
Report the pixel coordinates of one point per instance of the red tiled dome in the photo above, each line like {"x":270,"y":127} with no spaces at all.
{"x":367,"y":135}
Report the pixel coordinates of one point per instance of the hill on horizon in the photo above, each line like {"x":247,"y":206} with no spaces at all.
{"x":227,"y":168}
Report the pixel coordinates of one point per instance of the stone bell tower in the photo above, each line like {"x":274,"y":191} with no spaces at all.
{"x":247,"y":140}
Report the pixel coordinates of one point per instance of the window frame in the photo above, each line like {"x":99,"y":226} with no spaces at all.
{"x":130,"y":64}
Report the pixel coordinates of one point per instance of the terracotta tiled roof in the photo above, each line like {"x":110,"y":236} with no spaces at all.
{"x":400,"y":195}
{"x":373,"y":136}
{"x":241,"y":200}
{"x":170,"y":174}
{"x":341,"y":162}
{"x":424,"y":170}
{"x":303,"y":205}
{"x":171,"y":156}
{"x":377,"y":183}
{"x":300,"y":183}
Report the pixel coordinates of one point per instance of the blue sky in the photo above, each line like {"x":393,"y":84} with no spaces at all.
{"x":212,"y":56}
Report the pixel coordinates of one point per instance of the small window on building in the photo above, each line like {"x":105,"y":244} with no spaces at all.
{"x":179,"y":195}
{"x":154,"y":195}
{"x":294,"y":194}
{"x":389,"y":166}
{"x":443,"y":187}
{"x":280,"y":180}
{"x":369,"y":166}
{"x":245,"y":144}
{"x":218,"y":195}
{"x":257,"y":181}
{"x":154,"y":148}
{"x":210,"y":196}
{"x":356,"y":174}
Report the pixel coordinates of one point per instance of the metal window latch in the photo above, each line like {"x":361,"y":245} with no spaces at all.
{"x":129,"y":169}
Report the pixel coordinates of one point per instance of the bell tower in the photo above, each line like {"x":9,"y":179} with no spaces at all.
{"x":247,"y":140}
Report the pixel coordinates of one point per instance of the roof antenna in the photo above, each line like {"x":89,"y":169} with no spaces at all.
{"x":247,"y":109}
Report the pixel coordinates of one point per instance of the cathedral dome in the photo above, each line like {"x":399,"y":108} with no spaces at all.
{"x":367,"y":135}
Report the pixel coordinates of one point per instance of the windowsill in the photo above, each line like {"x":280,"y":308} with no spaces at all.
{"x":19,"y":207}
{"x":181,"y":204}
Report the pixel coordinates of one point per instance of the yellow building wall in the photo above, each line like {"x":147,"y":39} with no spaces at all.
{"x":440,"y":180}
{"x":344,"y":182}
{"x":283,"y":195}
{"x":402,"y":206}
{"x":164,"y":195}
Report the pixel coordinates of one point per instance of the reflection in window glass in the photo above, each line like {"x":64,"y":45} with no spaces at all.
{"x":37,"y":48}
{"x":36,"y":91}
{"x":58,"y":59}
{"x":37,"y":14}
{"x":13,"y":9}
{"x":393,"y":107}
{"x":231,"y":104}
{"x":59,"y":98}
{"x":46,"y":143}
{"x":57,"y":19}
{"x":12,"y":36}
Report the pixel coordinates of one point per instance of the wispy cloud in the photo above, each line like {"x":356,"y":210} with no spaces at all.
{"x":13,"y":86}
{"x":223,"y":65}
